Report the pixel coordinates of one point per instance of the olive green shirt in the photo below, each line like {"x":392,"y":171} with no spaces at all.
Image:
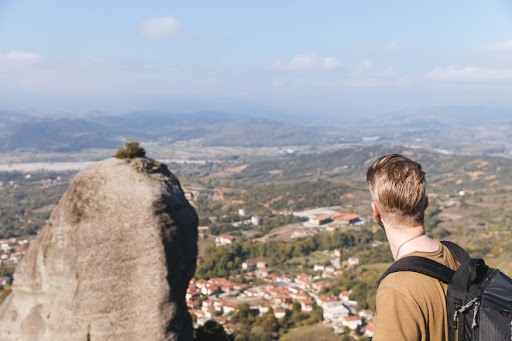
{"x":412,"y":306}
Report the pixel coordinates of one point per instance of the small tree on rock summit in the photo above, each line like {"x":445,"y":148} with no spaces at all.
{"x":130,"y":150}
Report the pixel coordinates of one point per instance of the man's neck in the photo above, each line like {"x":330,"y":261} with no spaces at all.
{"x":404,"y":239}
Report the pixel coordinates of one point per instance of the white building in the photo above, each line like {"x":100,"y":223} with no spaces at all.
{"x":256,"y":220}
{"x":248,"y":265}
{"x":319,"y":267}
{"x":335,"y":312}
{"x":351,"y":321}
{"x":279,"y":313}
{"x":224,"y":240}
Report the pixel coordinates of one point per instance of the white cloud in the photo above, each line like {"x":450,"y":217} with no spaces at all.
{"x":308,"y":61}
{"x":504,"y":46}
{"x":469,"y":74}
{"x":159,"y":28}
{"x":364,"y":66}
{"x":370,"y":78}
{"x":21,"y":57}
{"x":365,"y":75}
{"x":376,"y":78}
{"x":96,"y":77}
{"x":386,"y":73}
{"x":359,"y":83}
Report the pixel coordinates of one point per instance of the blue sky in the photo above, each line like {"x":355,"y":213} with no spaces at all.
{"x":331,"y":58}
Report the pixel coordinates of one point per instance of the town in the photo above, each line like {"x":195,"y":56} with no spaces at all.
{"x":218,"y":298}
{"x":262,"y":290}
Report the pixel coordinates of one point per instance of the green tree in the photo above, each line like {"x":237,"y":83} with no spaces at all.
{"x":243,"y":314}
{"x":242,"y":336}
{"x":269,"y":322}
{"x":130,"y":150}
{"x":211,"y":331}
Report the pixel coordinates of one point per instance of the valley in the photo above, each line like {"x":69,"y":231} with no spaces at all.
{"x":249,"y":203}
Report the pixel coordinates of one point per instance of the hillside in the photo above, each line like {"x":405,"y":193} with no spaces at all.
{"x":60,"y":135}
{"x":446,"y":173}
{"x":296,"y":182}
{"x":470,"y":196}
{"x":206,"y":129}
{"x":26,"y":133}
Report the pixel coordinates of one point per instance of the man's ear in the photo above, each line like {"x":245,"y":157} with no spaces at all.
{"x":376,"y":212}
{"x":376,"y":215}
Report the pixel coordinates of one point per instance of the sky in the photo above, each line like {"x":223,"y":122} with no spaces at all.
{"x":318,"y":58}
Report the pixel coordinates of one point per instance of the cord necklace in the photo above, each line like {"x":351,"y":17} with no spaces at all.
{"x":398,"y":251}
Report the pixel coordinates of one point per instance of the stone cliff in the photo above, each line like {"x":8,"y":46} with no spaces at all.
{"x":112,"y":263}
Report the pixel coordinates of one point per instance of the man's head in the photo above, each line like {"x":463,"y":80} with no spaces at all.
{"x":397,"y":186}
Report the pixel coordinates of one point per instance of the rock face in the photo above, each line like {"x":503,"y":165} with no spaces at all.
{"x":112,"y":263}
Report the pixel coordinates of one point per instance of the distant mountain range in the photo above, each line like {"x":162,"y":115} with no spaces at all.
{"x":26,"y":132}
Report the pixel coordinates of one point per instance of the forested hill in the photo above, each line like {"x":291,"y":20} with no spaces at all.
{"x":287,"y":182}
{"x":27,"y":133}
{"x":447,"y":171}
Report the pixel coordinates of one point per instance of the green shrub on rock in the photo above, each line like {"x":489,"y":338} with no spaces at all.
{"x":130,"y":150}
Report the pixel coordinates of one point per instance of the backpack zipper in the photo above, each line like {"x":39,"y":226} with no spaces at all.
{"x":475,"y":304}
{"x":474,"y":325}
{"x":455,"y":322}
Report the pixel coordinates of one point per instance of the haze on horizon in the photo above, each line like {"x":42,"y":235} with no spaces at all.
{"x":326,"y":58}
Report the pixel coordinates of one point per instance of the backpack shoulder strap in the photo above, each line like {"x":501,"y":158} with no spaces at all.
{"x":421,"y":265}
{"x":459,"y":253}
{"x":470,"y":270}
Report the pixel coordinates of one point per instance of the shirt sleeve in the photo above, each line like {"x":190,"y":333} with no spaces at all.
{"x":398,"y":317}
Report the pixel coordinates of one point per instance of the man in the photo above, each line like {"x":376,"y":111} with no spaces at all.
{"x":410,"y":306}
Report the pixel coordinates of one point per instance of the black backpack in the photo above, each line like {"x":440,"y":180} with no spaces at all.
{"x":479,"y":298}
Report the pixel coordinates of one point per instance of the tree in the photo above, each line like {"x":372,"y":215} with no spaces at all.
{"x":211,"y":331}
{"x":130,"y":150}
{"x":242,"y":336}
{"x":269,"y":322}
{"x":243,"y":314}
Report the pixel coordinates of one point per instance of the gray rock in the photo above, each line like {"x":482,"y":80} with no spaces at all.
{"x":112,"y":263}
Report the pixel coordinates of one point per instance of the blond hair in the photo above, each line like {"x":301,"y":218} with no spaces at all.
{"x":397,"y":185}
